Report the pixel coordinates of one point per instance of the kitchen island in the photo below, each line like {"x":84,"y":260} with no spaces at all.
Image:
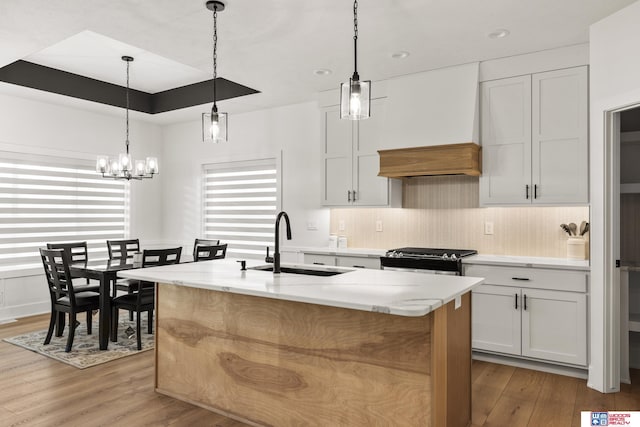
{"x":365,"y":347}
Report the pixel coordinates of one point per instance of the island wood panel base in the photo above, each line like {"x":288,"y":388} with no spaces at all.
{"x":281,"y":363}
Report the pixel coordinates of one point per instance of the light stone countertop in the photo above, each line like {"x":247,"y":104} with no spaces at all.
{"x":498,"y":260}
{"x":527,"y":261}
{"x":392,"y":292}
{"x":360,"y":252}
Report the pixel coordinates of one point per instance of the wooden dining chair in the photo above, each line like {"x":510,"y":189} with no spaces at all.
{"x":77,"y":252}
{"x":122,"y":249}
{"x":203,"y":242}
{"x":63,"y":295}
{"x":205,"y":253}
{"x":143,"y":298}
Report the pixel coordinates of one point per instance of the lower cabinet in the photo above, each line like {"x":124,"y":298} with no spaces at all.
{"x":342,"y":260}
{"x":527,"y":320}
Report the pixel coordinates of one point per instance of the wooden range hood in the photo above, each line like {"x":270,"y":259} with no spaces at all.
{"x":450,"y":159}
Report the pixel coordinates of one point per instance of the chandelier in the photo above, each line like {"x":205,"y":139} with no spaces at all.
{"x":355,"y":96}
{"x":122,"y":167}
{"x":214,"y":125}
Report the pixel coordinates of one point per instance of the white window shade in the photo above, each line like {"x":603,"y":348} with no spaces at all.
{"x":241,"y":201}
{"x":46,"y":200}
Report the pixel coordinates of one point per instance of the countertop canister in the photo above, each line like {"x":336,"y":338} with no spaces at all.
{"x":576,"y":247}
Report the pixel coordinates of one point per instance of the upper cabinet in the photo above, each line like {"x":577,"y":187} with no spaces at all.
{"x":351,"y":161}
{"x":534,"y":135}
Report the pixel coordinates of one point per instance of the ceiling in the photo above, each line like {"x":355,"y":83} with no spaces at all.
{"x":275,"y":46}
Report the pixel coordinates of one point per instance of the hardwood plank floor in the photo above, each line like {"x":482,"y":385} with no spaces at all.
{"x":38,"y":391}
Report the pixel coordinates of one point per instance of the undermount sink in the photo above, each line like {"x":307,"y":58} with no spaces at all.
{"x":298,"y":270}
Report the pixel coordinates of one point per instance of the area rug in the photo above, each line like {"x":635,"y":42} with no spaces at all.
{"x":86,"y":350}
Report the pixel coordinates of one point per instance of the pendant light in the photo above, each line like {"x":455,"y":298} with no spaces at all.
{"x":214,"y":125}
{"x":355,"y":96}
{"x":123,"y":167}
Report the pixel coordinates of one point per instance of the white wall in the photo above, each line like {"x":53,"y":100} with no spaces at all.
{"x":36,"y":127}
{"x":614,"y":84}
{"x":292,"y":131}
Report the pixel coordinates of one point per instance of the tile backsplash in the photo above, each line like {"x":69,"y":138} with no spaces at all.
{"x":443,"y":211}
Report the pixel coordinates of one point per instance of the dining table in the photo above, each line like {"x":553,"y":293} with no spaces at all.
{"x":106,"y":273}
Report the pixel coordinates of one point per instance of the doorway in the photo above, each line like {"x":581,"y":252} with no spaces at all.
{"x":626,"y":171}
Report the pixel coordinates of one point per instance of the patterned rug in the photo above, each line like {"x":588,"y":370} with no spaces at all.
{"x":85,"y":351}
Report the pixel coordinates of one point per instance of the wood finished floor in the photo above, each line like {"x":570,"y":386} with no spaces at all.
{"x":38,"y":391}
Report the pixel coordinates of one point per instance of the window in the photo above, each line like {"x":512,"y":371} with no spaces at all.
{"x":240,"y":205}
{"x":47,"y":199}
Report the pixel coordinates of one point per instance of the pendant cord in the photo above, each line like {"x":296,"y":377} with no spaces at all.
{"x":127,"y":140}
{"x":355,"y":37}
{"x":215,"y":52}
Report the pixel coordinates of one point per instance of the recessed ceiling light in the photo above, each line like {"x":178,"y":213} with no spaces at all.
{"x":322,"y":72}
{"x":498,"y":34}
{"x":400,"y":55}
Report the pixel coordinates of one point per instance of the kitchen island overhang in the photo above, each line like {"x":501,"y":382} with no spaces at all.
{"x":360,"y":348}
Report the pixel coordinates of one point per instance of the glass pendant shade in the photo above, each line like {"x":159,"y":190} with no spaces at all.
{"x":125,"y":162}
{"x":115,"y":169}
{"x":151,"y":165}
{"x":140,"y":168}
{"x":355,"y":99}
{"x":214,"y":127}
{"x":102,"y":164}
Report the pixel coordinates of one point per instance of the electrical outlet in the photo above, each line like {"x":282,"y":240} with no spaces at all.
{"x":488,"y":227}
{"x":311,"y":225}
{"x":341,"y":225}
{"x":379,"y":225}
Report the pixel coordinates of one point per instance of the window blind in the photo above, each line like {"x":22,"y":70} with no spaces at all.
{"x":241,"y":201}
{"x":45,"y":200}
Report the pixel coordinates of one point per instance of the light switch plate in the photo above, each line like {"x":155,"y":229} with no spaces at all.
{"x":379,"y":225}
{"x":488,"y":227}
{"x":341,"y":225}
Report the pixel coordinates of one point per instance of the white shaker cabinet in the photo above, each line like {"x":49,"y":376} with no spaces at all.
{"x":532,"y":313}
{"x":351,"y":161}
{"x":534,"y":135}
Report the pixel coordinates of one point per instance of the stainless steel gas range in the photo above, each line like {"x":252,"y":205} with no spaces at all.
{"x":426,"y":260}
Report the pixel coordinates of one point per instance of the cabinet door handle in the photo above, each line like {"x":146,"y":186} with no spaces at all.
{"x":535,"y":191}
{"x":526,"y":191}
{"x":318,"y":263}
{"x":516,"y":301}
{"x":354,"y":195}
{"x":359,"y":266}
{"x":348,"y":195}
{"x":525,"y":302}
{"x":523,"y":279}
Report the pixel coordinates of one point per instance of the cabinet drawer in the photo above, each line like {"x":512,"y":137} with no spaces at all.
{"x":358,"y":262}
{"x":523,"y":277}
{"x":319,"y":259}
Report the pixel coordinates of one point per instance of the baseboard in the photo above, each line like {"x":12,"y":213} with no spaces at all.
{"x":8,"y":314}
{"x":532,"y":364}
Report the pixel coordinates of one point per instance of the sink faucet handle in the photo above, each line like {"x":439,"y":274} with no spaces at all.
{"x":268,"y":258}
